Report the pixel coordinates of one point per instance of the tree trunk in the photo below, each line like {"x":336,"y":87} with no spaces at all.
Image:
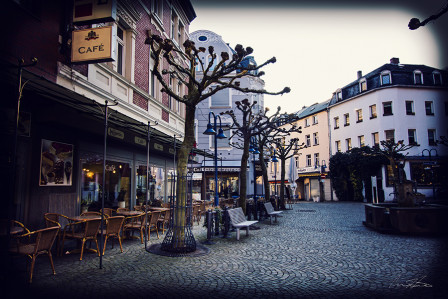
{"x":181,"y":184}
{"x":243,"y":176}
{"x":265,"y":176}
{"x":281,"y":203}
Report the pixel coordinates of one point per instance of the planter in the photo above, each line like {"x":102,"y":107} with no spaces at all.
{"x":427,"y":219}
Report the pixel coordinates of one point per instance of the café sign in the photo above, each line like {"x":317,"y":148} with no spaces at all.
{"x":92,"y":45}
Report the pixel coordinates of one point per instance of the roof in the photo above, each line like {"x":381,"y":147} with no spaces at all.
{"x":313,"y":109}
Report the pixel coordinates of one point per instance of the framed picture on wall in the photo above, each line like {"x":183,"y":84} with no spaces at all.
{"x":56,"y":164}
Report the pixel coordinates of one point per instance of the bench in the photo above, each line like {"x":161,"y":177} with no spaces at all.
{"x":271,"y":212}
{"x":238,"y":220}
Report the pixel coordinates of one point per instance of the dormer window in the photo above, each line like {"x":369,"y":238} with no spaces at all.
{"x":418,"y":77}
{"x":339,"y":95}
{"x":362,"y":85}
{"x":385,"y":78}
{"x":437,"y":78}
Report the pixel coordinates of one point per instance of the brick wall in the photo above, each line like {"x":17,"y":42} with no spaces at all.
{"x":140,"y":101}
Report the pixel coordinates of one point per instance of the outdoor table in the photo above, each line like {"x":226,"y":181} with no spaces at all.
{"x":129,"y":213}
{"x":85,"y":217}
{"x":158,"y":209}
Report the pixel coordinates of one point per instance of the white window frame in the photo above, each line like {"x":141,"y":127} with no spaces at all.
{"x":346,"y":119}
{"x":361,"y":141}
{"x":385,"y":74}
{"x":439,"y":75}
{"x":412,"y":111}
{"x":315,"y":138}
{"x":375,"y":139}
{"x":336,"y":122}
{"x":362,"y":85}
{"x":315,"y":120}
{"x":418,"y":74}
{"x":358,"y":115}
{"x":386,"y":132}
{"x":348,"y":144}
{"x":414,"y":136}
{"x":431,"y":106}
{"x":337,"y":144}
{"x":391,"y":108}
{"x":372,"y":111}
{"x":308,"y":160}
{"x":308,"y":140}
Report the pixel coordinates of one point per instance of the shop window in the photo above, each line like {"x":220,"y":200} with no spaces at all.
{"x":117,"y":183}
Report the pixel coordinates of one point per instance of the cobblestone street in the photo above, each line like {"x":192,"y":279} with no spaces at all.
{"x":316,"y":250}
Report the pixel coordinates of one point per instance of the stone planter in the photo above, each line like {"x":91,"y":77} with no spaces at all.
{"x":428,"y":219}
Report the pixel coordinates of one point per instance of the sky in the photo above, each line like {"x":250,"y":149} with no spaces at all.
{"x":320,"y":45}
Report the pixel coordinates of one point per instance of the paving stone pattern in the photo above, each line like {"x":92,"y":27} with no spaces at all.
{"x":316,"y":250}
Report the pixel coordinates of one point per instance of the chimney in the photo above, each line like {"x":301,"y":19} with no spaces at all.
{"x":394,"y":60}
{"x":359,"y":74}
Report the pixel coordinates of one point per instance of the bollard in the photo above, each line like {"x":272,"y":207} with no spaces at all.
{"x":208,"y":218}
{"x":255,"y":208}
{"x":226,"y":222}
{"x":216,"y":223}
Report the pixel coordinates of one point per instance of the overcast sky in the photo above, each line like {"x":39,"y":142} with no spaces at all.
{"x":320,"y":45}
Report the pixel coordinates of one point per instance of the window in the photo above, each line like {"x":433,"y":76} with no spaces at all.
{"x":348,"y":143}
{"x":362,"y":85}
{"x":220,"y":99}
{"x":390,"y":135}
{"x":316,"y":139}
{"x":338,"y":145}
{"x":308,"y":160}
{"x":429,"y":108}
{"x":375,"y":139}
{"x":152,"y":80}
{"x":385,"y":78}
{"x":336,"y":122}
{"x":307,"y":122}
{"x":308,"y":140}
{"x":437,"y":78}
{"x":361,"y":141}
{"x":179,"y":93}
{"x":431,"y":137}
{"x":387,"y":108}
{"x":339,"y":95}
{"x":418,"y":77}
{"x":120,"y":50}
{"x":221,"y":143}
{"x":157,"y":8}
{"x":316,"y":160}
{"x":372,"y":109}
{"x":346,"y":119}
{"x":412,"y":136}
{"x":170,"y":99}
{"x":315,"y":122}
{"x":297,"y":161}
{"x":359,"y":115}
{"x":410,"y":108}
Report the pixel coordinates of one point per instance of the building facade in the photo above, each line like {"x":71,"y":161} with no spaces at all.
{"x":313,"y":183}
{"x":229,"y":157}
{"x":64,"y":129}
{"x":395,"y":102}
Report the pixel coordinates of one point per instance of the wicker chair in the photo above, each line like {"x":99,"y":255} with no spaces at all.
{"x":153,"y":222}
{"x":109,"y":212}
{"x":122,"y":210}
{"x":113,"y":230}
{"x":92,"y":213}
{"x":82,"y":230}
{"x":135,"y":223}
{"x":35,"y":243}
{"x":55,"y":219}
{"x":164,"y":219}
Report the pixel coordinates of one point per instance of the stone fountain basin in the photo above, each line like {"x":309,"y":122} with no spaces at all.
{"x":389,"y":217}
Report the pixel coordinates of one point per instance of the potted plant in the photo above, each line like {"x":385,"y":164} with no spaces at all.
{"x":120,"y":198}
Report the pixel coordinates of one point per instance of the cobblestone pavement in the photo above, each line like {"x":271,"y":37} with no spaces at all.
{"x":316,"y":250}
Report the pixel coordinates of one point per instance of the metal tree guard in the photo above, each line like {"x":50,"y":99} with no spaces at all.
{"x":179,"y":238}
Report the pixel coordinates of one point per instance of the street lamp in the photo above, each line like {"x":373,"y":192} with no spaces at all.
{"x":275,"y":160}
{"x":430,"y":166}
{"x":211,"y":130}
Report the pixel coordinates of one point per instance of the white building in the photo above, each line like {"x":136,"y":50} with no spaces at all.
{"x":399,"y":102}
{"x":229,"y":158}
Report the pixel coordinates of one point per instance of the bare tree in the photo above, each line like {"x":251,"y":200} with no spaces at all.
{"x":285,"y":150}
{"x":250,"y":124}
{"x":225,"y":75}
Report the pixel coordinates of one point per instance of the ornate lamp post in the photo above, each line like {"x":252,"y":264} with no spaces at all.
{"x":211,"y":130}
{"x":275,"y":160}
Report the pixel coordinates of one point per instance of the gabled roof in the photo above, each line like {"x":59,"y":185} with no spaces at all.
{"x":313,"y":109}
